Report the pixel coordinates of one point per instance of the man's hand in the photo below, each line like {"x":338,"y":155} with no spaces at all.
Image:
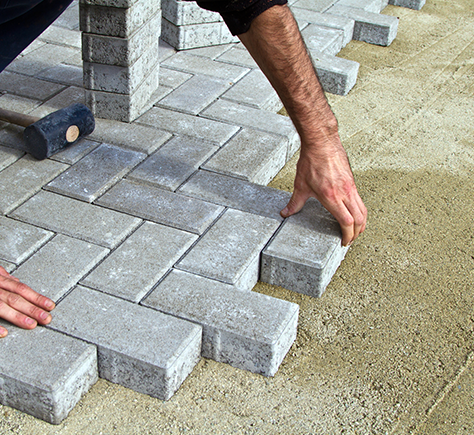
{"x":323,"y":170}
{"x":21,"y":305}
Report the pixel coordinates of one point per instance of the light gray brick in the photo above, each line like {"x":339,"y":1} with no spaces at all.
{"x":133,"y":136}
{"x":140,"y":262}
{"x":327,"y":20}
{"x":70,"y":95}
{"x":182,"y":13}
{"x":256,"y":91}
{"x":172,"y":78}
{"x":76,"y":219}
{"x":327,"y":40}
{"x":337,"y":75}
{"x":23,"y":179}
{"x":121,"y":107}
{"x":239,"y":57}
{"x":69,"y":18}
{"x":201,"y":65}
{"x":19,"y":240}
{"x":227,"y":250}
{"x":95,"y":173}
{"x":239,"y":114}
{"x":235,"y":193}
{"x":160,"y":206}
{"x":305,"y":253}
{"x":61,"y":36}
{"x":369,"y":27}
{"x":9,"y":156}
{"x":76,"y":152}
{"x":210,"y":52}
{"x":12,"y":136}
{"x":195,"y":94}
{"x":9,"y":267}
{"x":119,"y":329}
{"x":174,"y":162}
{"x":59,"y":265}
{"x":69,"y":75}
{"x":247,"y":330}
{"x":373,"y":6}
{"x":412,"y":4}
{"x":195,"y":35}
{"x":315,"y":5}
{"x":183,"y":124}
{"x":113,"y":50}
{"x":116,"y":21}
{"x":252,"y":155}
{"x":120,"y":79}
{"x":165,"y":50}
{"x":18,"y":103}
{"x":25,"y":86}
{"x":35,"y":385}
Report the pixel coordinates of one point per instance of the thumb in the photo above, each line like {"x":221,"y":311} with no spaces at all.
{"x":295,"y":204}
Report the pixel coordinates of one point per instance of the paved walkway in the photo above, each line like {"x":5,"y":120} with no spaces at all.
{"x":151,"y":235}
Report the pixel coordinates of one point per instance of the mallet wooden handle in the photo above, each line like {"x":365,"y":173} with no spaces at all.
{"x":17,"y":118}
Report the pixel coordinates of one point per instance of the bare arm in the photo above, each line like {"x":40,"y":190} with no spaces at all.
{"x":21,"y":305}
{"x":323,"y":169}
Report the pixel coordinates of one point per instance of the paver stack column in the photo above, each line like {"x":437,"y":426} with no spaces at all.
{"x":120,"y":53}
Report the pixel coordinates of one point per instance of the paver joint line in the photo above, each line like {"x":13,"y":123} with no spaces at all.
{"x":159,"y":220}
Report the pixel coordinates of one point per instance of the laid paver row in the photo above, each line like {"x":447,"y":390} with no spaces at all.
{"x":155,"y":271}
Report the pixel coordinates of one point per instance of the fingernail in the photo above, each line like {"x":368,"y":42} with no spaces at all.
{"x":3,"y":332}
{"x":44,"y":315}
{"x":49,"y":305}
{"x":29,"y":321}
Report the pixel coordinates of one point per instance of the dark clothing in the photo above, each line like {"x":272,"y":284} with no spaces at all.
{"x":238,"y":14}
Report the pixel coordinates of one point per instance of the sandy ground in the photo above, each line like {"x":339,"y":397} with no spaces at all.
{"x":389,"y":346}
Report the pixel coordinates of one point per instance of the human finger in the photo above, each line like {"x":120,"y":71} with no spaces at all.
{"x":3,"y":332}
{"x":358,"y":211}
{"x":295,"y":204}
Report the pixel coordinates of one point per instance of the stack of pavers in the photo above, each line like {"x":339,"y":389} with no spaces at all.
{"x":151,"y":235}
{"x":119,"y":49}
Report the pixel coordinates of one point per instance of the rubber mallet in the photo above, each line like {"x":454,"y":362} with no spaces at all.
{"x":55,"y":132}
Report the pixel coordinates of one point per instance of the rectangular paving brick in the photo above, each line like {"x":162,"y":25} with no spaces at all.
{"x":9,"y":156}
{"x":61,"y":36}
{"x":183,"y":124}
{"x":369,"y":27}
{"x":138,"y":347}
{"x":59,"y":265}
{"x":95,"y":173}
{"x":236,"y":193}
{"x":77,"y":219}
{"x":228,"y":249}
{"x":315,"y":5}
{"x":327,"y":20}
{"x":252,"y":155}
{"x":133,"y":136}
{"x":212,"y":52}
{"x":305,"y":253}
{"x":31,"y":87}
{"x":76,"y":152}
{"x":373,"y":6}
{"x":70,"y":75}
{"x":174,"y":162}
{"x":172,"y":78}
{"x":161,"y":206}
{"x":195,"y":94}
{"x":327,"y":40}
{"x":24,"y":178}
{"x":239,"y":114}
{"x":19,"y":240}
{"x":32,"y":384}
{"x":256,"y":91}
{"x":247,"y":330}
{"x":200,"y":65}
{"x":140,"y":262}
{"x":337,"y":75}
{"x":412,"y":4}
{"x":9,"y":267}
{"x":238,"y":56}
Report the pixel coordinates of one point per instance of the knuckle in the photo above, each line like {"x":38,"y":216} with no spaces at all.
{"x":13,"y":299}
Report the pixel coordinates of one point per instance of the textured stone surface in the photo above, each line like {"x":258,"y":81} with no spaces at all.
{"x":119,"y":329}
{"x":160,"y":206}
{"x":19,"y":240}
{"x":182,"y":13}
{"x":59,"y":265}
{"x":253,"y":155}
{"x":195,"y":94}
{"x":412,"y":4}
{"x":226,"y":251}
{"x":34,"y":385}
{"x":23,"y":179}
{"x":315,"y":5}
{"x":174,"y":162}
{"x":96,"y":173}
{"x":305,"y":252}
{"x":183,"y":124}
{"x":77,"y":219}
{"x":327,"y":40}
{"x":140,"y":262}
{"x":247,"y":330}
{"x":9,"y":156}
{"x":373,"y":6}
{"x":235,"y":193}
{"x":76,"y":152}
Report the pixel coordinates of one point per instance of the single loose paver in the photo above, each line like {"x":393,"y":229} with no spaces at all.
{"x":247,"y":330}
{"x":140,"y":262}
{"x":138,"y":347}
{"x":31,"y":383}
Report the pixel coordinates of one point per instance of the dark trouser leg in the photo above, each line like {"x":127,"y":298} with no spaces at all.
{"x":18,"y":33}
